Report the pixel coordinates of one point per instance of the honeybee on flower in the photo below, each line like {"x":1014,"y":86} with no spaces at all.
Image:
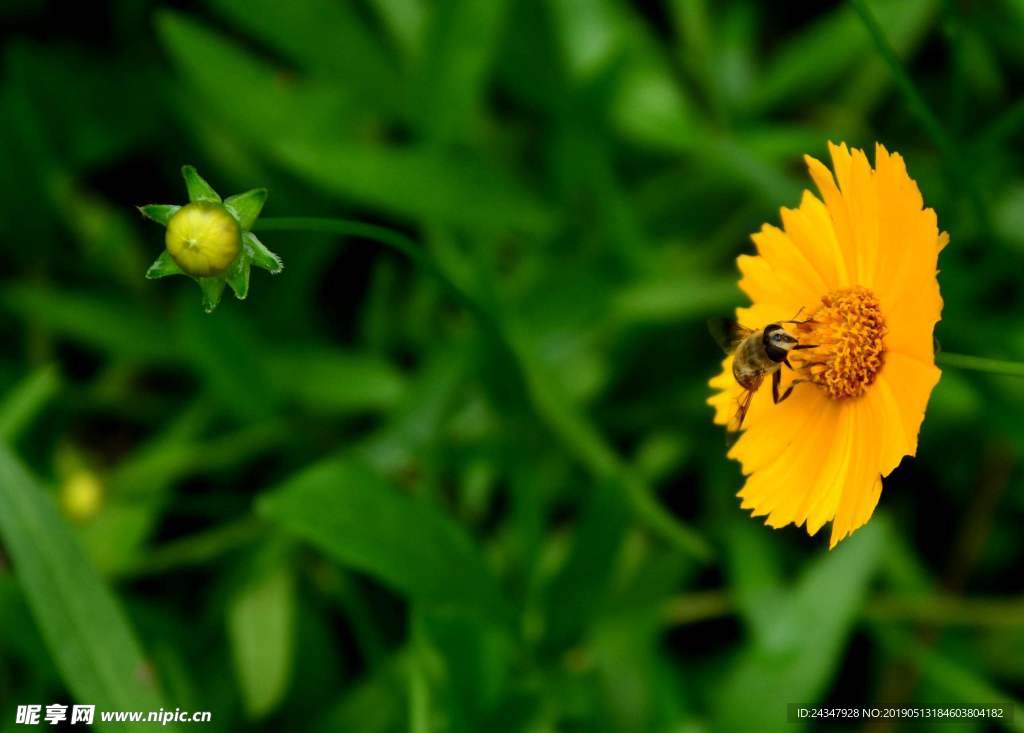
{"x":860,"y":265}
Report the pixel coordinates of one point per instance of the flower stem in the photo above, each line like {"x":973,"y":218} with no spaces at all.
{"x":582,"y":439}
{"x":981,"y":364}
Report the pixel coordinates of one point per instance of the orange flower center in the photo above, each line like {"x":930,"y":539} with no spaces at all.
{"x":848,"y":332}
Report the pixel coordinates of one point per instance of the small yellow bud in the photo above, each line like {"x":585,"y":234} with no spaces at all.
{"x":81,"y":495}
{"x":203,"y":238}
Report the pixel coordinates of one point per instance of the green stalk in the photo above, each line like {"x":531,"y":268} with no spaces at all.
{"x":981,"y":364}
{"x":574,"y":431}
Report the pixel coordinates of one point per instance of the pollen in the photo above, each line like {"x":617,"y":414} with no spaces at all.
{"x":848,"y":333}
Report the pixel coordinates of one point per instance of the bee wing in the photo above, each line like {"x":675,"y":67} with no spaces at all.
{"x":727,"y":333}
{"x":743,"y":404}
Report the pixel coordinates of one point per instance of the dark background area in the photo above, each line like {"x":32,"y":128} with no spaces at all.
{"x":588,"y":171}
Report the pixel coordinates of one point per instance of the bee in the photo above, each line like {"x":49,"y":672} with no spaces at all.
{"x":757,"y":354}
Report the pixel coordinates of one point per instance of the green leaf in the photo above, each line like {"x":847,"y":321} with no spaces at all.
{"x":650,"y":107}
{"x":331,"y":381}
{"x":667,"y":299}
{"x":955,"y":679}
{"x":163,"y":266}
{"x":417,"y":182}
{"x":74,"y":91}
{"x":812,"y":624}
{"x":24,"y":402}
{"x":261,"y":628}
{"x":160,"y":213}
{"x":830,"y":48}
{"x":238,"y":275}
{"x":462,"y":41}
{"x":213,"y":288}
{"x":227,"y":352}
{"x":573,"y":598}
{"x":105,"y":233}
{"x":247,"y":206}
{"x":477,"y":659}
{"x":246,"y":92}
{"x":906,"y":27}
{"x":327,"y":39}
{"x":84,"y":629}
{"x":261,"y":256}
{"x":592,"y":33}
{"x":353,"y":515}
{"x":405,"y":21}
{"x":119,"y":328}
{"x":309,"y":130}
{"x":198,"y":189}
{"x":754,"y":582}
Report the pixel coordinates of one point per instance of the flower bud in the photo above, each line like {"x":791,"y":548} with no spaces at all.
{"x":203,"y":238}
{"x":81,"y":496}
{"x":210,"y":239}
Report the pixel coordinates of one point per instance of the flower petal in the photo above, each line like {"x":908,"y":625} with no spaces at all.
{"x":909,"y":244}
{"x":761,"y":314}
{"x":780,"y":488}
{"x":725,"y":393}
{"x":837,"y":458}
{"x":811,"y":229}
{"x":781,"y":273}
{"x":910,"y":320}
{"x":771,"y":429}
{"x":861,"y":194}
{"x":905,"y":385}
{"x":836,"y":206}
{"x":863,"y":484}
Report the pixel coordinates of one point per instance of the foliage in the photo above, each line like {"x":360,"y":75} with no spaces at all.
{"x":466,"y":480}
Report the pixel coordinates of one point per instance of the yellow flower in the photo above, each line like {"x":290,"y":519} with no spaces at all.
{"x":861,"y":264}
{"x":203,"y":238}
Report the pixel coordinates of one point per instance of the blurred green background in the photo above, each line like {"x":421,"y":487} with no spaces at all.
{"x":360,"y":502}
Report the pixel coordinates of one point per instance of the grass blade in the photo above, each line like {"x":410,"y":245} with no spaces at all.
{"x":803,"y":651}
{"x":84,"y":629}
{"x":353,"y":515}
{"x":25,"y":401}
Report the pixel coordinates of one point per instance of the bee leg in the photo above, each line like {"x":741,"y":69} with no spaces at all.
{"x":800,"y":347}
{"x":789,"y":390}
{"x":796,"y":315}
{"x":776,"y":377}
{"x":786,"y":362}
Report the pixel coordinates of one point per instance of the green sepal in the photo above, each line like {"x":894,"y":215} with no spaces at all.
{"x":160,"y":213}
{"x":238,"y":275}
{"x":261,"y":256}
{"x":213,"y":288}
{"x":164,"y":266}
{"x":198,"y":189}
{"x":246,"y":206}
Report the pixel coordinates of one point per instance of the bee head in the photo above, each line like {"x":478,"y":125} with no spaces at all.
{"x":777,"y":343}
